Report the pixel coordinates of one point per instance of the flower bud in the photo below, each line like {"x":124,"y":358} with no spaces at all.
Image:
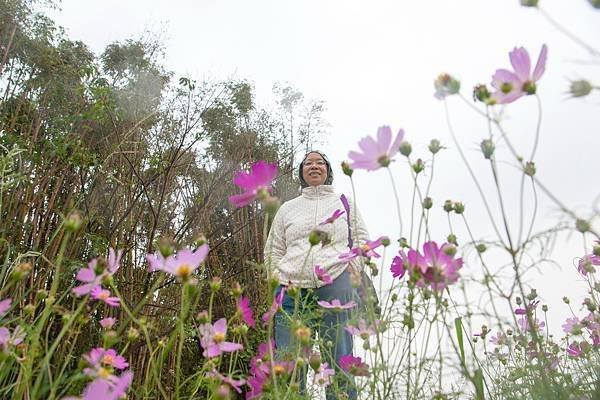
{"x":236,"y":290}
{"x":132,"y":334}
{"x":450,"y":250}
{"x":529,"y":168}
{"x":445,"y":85}
{"x":73,"y":221}
{"x":166,"y":246}
{"x":405,"y":148}
{"x":317,"y":236}
{"x":418,"y":166}
{"x":596,"y":250}
{"x":223,"y":392}
{"x":303,"y":334}
{"x":394,"y":297}
{"x":591,"y":306}
{"x":215,"y":284}
{"x":481,"y":248}
{"x":582,"y":225}
{"x":459,"y":207}
{"x":532,"y":295}
{"x":346,"y":168}
{"x":315,"y":361}
{"x":452,"y":239}
{"x":292,"y":290}
{"x":487,"y":148}
{"x":481,"y":93}
{"x":434,"y":146}
{"x":21,"y":271}
{"x":518,"y":300}
{"x":271,"y":204}
{"x":448,"y":206}
{"x":529,"y":3}
{"x":566,"y":300}
{"x":200,"y":240}
{"x":41,"y":295}
{"x":544,"y":307}
{"x":580,"y":88}
{"x":385,"y":241}
{"x":29,"y":309}
{"x":202,"y":317}
{"x":427,"y":203}
{"x":403,"y":242}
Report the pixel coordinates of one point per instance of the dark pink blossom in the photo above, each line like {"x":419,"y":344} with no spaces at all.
{"x":245,"y":311}
{"x":5,"y":306}
{"x":256,"y":183}
{"x":586,"y":264}
{"x":322,"y":275}
{"x":354,"y":365}
{"x":212,"y":339}
{"x":336,"y":214}
{"x":336,"y":304}
{"x":511,"y":85}
{"x":267,"y":316}
{"x":574,"y":350}
{"x":376,"y":153}
{"x":399,"y":265}
{"x":530,"y":307}
{"x":365,"y":250}
{"x":104,"y":295}
{"x":434,"y":268}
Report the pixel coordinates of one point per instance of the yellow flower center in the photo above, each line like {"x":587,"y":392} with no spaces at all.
{"x":278,"y":369}
{"x":219,"y":337}
{"x":107,"y":359}
{"x":104,"y":295}
{"x":365,"y":248}
{"x":184,"y":270}
{"x":103,"y":373}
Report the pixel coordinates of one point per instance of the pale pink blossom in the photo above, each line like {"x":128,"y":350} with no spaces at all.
{"x":378,"y":153}
{"x":336,"y":304}
{"x":212,"y":339}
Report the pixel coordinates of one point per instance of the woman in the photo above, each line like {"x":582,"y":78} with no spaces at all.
{"x":289,"y":252}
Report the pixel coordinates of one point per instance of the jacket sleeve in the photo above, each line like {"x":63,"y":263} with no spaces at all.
{"x":275,"y":246}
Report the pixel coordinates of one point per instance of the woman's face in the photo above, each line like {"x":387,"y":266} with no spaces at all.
{"x":314,"y":169}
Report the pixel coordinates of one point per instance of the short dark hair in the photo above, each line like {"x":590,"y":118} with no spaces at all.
{"x":328,"y":180}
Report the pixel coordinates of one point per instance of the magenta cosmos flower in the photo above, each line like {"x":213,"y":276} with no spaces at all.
{"x":91,"y":277}
{"x":434,"y":268}
{"x":365,"y":250}
{"x":322,"y":275}
{"x":336,"y":214}
{"x":399,"y":265}
{"x":235,"y":384}
{"x":104,"y":295}
{"x":354,"y":365}
{"x":99,"y":358}
{"x":5,"y":306}
{"x":101,"y":389}
{"x":336,"y":304}
{"x":256,"y":183}
{"x":376,"y":153}
{"x":586,"y":264}
{"x":182,"y":264}
{"x":270,"y":313}
{"x":245,"y":311}
{"x":212,"y":339}
{"x":511,"y":85}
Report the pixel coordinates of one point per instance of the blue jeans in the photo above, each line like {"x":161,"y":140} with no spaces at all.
{"x":337,"y":341}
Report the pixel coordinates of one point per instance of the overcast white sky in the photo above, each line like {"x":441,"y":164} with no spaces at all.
{"x":373,"y":63}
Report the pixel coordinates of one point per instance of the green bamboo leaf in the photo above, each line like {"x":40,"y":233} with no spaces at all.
{"x":478,"y":381}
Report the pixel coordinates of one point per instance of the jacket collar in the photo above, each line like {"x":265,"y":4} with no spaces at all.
{"x":313,"y":192}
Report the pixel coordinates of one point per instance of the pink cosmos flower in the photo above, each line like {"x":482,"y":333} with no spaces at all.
{"x":182,"y":264}
{"x":323,"y":376}
{"x":245,"y":311}
{"x":212,"y":339}
{"x":530,"y":307}
{"x":261,"y":368}
{"x":363,"y":329}
{"x":101,"y":389}
{"x":586,"y":264}
{"x":376,"y":153}
{"x":336,"y":304}
{"x":104,"y":295}
{"x":92,"y":278}
{"x":354,"y":365}
{"x":5,"y":306}
{"x":365,"y":250}
{"x":336,"y":214}
{"x":526,"y":325}
{"x":255,"y":184}
{"x":322,"y":275}
{"x":267,"y":316}
{"x":235,"y":384}
{"x":399,"y":265}
{"x":100,"y":357}
{"x":574,"y":350}
{"x":572,"y":326}
{"x":8,"y":340}
{"x":434,"y":268}
{"x":499,"y":339}
{"x":108,"y":323}
{"x":512,"y":85}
